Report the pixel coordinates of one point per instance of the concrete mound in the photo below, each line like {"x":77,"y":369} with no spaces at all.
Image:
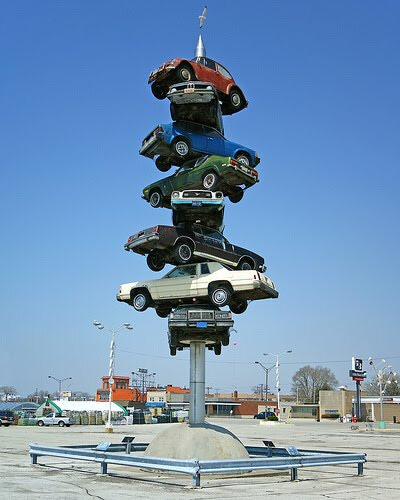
{"x":201,"y":441}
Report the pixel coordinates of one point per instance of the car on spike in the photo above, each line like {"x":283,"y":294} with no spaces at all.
{"x":202,"y":283}
{"x":201,"y":207}
{"x":176,"y":142}
{"x":204,"y":69}
{"x":214,"y":173}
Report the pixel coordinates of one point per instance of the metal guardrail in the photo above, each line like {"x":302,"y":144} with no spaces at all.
{"x":272,"y":458}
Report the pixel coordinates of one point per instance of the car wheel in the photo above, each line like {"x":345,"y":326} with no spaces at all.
{"x":162,"y":312}
{"x":238,"y":307}
{"x":217,"y":349}
{"x":155,"y":261}
{"x":243,"y":158}
{"x":236,"y":100}
{"x":175,"y":218}
{"x":163,"y":164}
{"x":172,"y":351}
{"x":67,"y":425}
{"x":181,"y":147}
{"x":246,"y":265}
{"x":156,"y":199}
{"x":225,"y":339}
{"x":61,"y":423}
{"x":141,"y":301}
{"x":210,"y":181}
{"x":185,"y":74}
{"x":183,"y":252}
{"x":220,"y":295}
{"x":40,"y":423}
{"x":237,"y":195}
{"x":159,"y":91}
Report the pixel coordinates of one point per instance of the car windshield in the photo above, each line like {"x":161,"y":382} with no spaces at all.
{"x":182,"y":271}
{"x":224,"y":72}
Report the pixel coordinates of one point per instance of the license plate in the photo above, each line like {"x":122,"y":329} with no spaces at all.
{"x":188,"y":91}
{"x":201,"y":324}
{"x":197,"y":203}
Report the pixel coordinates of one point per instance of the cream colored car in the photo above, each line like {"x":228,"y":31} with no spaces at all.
{"x":207,"y":282}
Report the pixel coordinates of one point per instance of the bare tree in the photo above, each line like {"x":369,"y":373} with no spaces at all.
{"x":392,"y":388}
{"x":39,"y":396}
{"x":7,"y":391}
{"x":308,"y":381}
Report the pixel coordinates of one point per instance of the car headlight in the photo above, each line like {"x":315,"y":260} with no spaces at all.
{"x":175,"y":194}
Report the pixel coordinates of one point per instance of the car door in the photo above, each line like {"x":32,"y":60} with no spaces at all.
{"x":224,"y":78}
{"x":195,"y":132}
{"x":203,"y":279}
{"x":207,"y":70}
{"x":213,"y":246}
{"x":180,"y":282}
{"x":215,"y":142}
{"x":231,"y":253}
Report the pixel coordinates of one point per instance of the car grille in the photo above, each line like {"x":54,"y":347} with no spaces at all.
{"x":197,"y":194}
{"x":201,"y":315}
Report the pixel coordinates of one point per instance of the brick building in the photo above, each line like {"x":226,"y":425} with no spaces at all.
{"x":121,"y":392}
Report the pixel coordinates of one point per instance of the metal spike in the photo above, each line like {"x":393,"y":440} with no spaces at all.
{"x":200,"y":49}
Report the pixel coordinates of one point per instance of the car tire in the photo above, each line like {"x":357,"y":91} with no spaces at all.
{"x":141,"y":300}
{"x":238,"y":307}
{"x":67,"y":425}
{"x":236,"y":100}
{"x":175,"y":219}
{"x":220,"y":295}
{"x":183,"y":252}
{"x":40,"y":423}
{"x":210,"y":180}
{"x":246,"y":264}
{"x":225,"y":339}
{"x":155,"y":261}
{"x":162,"y":164}
{"x":243,"y":158}
{"x":217,"y":349}
{"x":159,"y":91}
{"x":181,"y":147}
{"x":163,"y":312}
{"x":156,"y":199}
{"x":237,"y":195}
{"x":185,"y":74}
{"x":61,"y":423}
{"x":172,"y":351}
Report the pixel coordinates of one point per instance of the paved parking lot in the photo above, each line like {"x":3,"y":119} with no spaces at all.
{"x":60,"y":479}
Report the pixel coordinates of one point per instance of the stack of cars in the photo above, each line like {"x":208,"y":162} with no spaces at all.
{"x":211,"y":272}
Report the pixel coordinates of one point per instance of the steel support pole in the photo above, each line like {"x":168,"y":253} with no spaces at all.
{"x":197,"y":383}
{"x":358,"y":399}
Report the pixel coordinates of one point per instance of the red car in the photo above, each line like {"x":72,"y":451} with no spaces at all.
{"x":203,"y":69}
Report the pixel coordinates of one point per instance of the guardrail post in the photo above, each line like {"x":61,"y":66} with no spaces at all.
{"x":360,"y":467}
{"x":103,"y":467}
{"x":196,"y":480}
{"x":294,"y":474}
{"x":34,"y":459}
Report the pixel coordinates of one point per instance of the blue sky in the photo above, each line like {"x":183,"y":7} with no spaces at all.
{"x":322,"y":80}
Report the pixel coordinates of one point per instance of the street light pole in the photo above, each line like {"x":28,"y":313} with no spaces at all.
{"x":97,"y":324}
{"x":277,"y":379}
{"x":381,"y":371}
{"x":266,"y":369}
{"x":60,"y":381}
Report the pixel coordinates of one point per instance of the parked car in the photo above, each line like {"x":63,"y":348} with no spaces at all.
{"x":199,"y":322}
{"x":6,"y":418}
{"x":174,"y":143}
{"x":55,"y":419}
{"x":220,"y":173}
{"x":208,"y":282}
{"x":201,"y":207}
{"x":203,"y":69}
{"x":262,"y":415}
{"x":196,"y":102}
{"x":190,"y":243}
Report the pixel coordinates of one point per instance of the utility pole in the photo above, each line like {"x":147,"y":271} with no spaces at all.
{"x":277,"y":379}
{"x":383,"y":371}
{"x":208,"y":389}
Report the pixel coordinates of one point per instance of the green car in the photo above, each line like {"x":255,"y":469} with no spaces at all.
{"x":220,"y":173}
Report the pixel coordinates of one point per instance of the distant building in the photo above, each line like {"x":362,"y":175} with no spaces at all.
{"x":121,"y":392}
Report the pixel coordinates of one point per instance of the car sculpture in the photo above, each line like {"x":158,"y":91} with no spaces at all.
{"x":200,"y":68}
{"x":201,"y":207}
{"x":208,"y":172}
{"x":196,"y":102}
{"x":199,"y":322}
{"x":206,"y":282}
{"x":174,"y":143}
{"x":190,"y":243}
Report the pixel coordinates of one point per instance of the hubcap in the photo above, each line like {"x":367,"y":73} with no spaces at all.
{"x":209,"y":180}
{"x":139,"y":301}
{"x":181,"y":148}
{"x":236,"y":99}
{"x":246,"y":266}
{"x":185,"y":252}
{"x":219,"y":296}
{"x":155,"y":199}
{"x":185,"y":74}
{"x":243,"y":160}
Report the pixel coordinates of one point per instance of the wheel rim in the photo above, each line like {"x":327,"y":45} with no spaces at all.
{"x":156,"y":261}
{"x":185,"y":252}
{"x":243,"y":160}
{"x":139,"y":301}
{"x":185,"y":74}
{"x":246,"y":266}
{"x":236,"y":100}
{"x":220,"y":296}
{"x":155,"y":199}
{"x":209,"y":181}
{"x":181,"y":148}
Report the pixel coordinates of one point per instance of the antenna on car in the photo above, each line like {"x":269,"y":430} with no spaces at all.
{"x":200,"y":49}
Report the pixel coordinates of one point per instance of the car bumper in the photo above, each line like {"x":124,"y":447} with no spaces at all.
{"x":148,"y":145}
{"x":140,"y":241}
{"x":123,"y":297}
{"x":160,"y":73}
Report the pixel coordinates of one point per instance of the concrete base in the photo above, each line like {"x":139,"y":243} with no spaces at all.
{"x":201,"y":441}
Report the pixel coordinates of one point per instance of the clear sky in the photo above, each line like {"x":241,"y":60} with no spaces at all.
{"x":322,"y":80}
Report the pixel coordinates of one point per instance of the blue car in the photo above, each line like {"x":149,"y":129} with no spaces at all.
{"x":174,"y":143}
